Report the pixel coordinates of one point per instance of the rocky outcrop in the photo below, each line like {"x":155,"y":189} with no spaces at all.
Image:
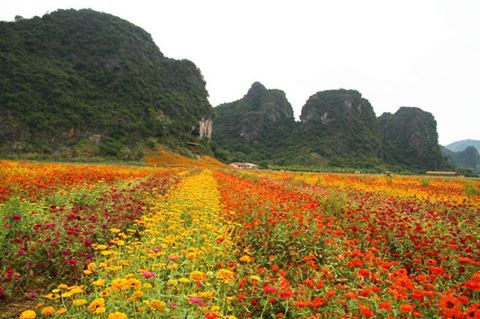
{"x":252,"y":118}
{"x":204,"y":128}
{"x":411,"y":139}
{"x":341,"y":122}
{"x":261,"y":120}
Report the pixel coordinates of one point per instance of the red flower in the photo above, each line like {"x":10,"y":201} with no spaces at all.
{"x":269,"y":290}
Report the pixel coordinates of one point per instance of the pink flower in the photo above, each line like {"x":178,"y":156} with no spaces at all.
{"x":156,"y":250}
{"x":16,"y":218}
{"x":21,"y":251}
{"x":148,"y":274}
{"x":194,"y":299}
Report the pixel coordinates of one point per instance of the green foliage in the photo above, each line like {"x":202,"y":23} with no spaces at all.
{"x":411,"y":140}
{"x":338,"y":129}
{"x":258,"y":127}
{"x":471,"y":189}
{"x":84,"y":83}
{"x":341,"y":125}
{"x":468,"y":159}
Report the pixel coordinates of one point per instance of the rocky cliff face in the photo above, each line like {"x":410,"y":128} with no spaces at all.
{"x":204,"y":128}
{"x":341,"y":122}
{"x":261,"y":119}
{"x":411,"y":139}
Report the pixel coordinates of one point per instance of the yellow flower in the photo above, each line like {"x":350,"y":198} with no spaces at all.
{"x":198,"y":276}
{"x":28,"y":314}
{"x":105,"y":293}
{"x":147,"y":285}
{"x":96,"y":304}
{"x":158,"y":305}
{"x":114,"y":231}
{"x":117,"y":315}
{"x":101,"y":247}
{"x":46,"y":311}
{"x":245,"y":258}
{"x":52,"y":296}
{"x":226,"y":276}
{"x":99,"y":283}
{"x":205,"y":295}
{"x":137,"y":294}
{"x":184,"y":280}
{"x":118,"y":284}
{"x":63,"y":287}
{"x":67,"y":294}
{"x":79,"y":302}
{"x":172,"y":282}
{"x":76,"y":290}
{"x":134,"y":283}
{"x":61,"y":311}
{"x":100,"y":310}
{"x":172,"y":266}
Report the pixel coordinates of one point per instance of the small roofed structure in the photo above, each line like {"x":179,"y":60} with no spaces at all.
{"x":442,"y":173}
{"x":242,"y":165}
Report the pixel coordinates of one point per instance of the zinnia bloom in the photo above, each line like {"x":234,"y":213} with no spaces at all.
{"x":406,"y":307}
{"x":46,"y":311}
{"x":198,"y":276}
{"x":117,"y":315}
{"x":28,"y":314}
{"x":269,"y":290}
{"x":95,"y":304}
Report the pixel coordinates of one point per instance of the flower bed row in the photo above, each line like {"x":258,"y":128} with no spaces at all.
{"x":50,"y":240}
{"x":175,"y":263}
{"x":330,"y":253}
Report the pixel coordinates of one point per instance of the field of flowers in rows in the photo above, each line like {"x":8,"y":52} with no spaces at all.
{"x":115,"y":242}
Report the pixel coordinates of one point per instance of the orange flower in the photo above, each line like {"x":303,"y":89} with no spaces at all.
{"x":448,"y":302}
{"x":365,"y":311}
{"x":407,"y":307}
{"x":385,"y":305}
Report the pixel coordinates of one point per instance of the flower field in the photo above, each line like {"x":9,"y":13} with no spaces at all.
{"x":115,"y":242}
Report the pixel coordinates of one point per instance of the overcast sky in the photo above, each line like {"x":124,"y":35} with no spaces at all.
{"x":396,"y":53}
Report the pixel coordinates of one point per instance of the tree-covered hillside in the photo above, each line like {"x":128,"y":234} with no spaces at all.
{"x":337,"y":128}
{"x":341,"y":125}
{"x":260,"y":126}
{"x":84,"y":83}
{"x":410,"y":139}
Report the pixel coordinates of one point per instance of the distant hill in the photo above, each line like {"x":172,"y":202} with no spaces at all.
{"x":84,"y":84}
{"x":468,"y":159}
{"x":337,"y":128}
{"x":460,"y":146}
